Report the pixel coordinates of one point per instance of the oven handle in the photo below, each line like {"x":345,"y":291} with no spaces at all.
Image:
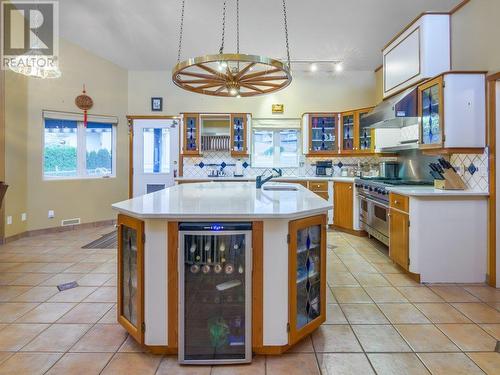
{"x":377,"y":202}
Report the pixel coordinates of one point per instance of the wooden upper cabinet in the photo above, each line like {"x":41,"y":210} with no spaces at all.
{"x":191,"y":134}
{"x":348,"y":132}
{"x":354,"y":137}
{"x":131,"y":276}
{"x":343,"y":205}
{"x":430,"y":110}
{"x":322,"y":133}
{"x":238,"y":131}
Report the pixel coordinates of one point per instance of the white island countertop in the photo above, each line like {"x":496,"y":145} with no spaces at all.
{"x":429,"y":191}
{"x":224,"y":200}
{"x":276,"y":179}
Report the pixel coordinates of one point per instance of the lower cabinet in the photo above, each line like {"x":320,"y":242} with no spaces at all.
{"x":130,"y":276}
{"x":307,"y":276}
{"x":343,"y":205}
{"x":399,"y":240}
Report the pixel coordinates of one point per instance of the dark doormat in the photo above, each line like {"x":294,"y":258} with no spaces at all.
{"x":108,"y":241}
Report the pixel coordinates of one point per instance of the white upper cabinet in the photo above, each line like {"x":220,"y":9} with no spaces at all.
{"x":421,"y":51}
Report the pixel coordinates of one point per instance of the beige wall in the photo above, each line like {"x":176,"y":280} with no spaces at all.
{"x":88,"y":199}
{"x":379,"y":86}
{"x":307,"y":93}
{"x":475,"y":35}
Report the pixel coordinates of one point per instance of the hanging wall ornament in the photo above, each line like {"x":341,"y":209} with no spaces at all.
{"x":84,"y":102}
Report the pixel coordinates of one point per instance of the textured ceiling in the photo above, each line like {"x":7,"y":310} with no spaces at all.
{"x":143,"y":35}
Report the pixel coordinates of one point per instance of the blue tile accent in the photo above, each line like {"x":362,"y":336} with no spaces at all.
{"x":472,"y":169}
{"x":245,"y":165}
{"x":339,"y":164}
{"x":201,"y":165}
{"x":223,"y":165}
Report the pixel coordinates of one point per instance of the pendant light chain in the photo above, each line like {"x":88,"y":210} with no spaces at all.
{"x":237,"y":26}
{"x":221,"y":50}
{"x":286,"y":35}
{"x":180,"y":33}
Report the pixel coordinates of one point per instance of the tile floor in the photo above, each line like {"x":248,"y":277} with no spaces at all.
{"x":378,"y":320}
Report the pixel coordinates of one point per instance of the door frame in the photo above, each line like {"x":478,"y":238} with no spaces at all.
{"x":491,"y":142}
{"x":130,"y":121}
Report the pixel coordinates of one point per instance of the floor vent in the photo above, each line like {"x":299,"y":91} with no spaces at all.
{"x":65,"y":223}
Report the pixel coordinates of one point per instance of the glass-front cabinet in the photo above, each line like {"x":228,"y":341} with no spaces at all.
{"x":365,"y":135}
{"x":130,"y":275}
{"x":323,"y":133}
{"x":191,"y":136}
{"x":430,"y":110}
{"x":239,"y":145}
{"x":307,"y":268}
{"x":347,"y":121}
{"x":355,"y":137}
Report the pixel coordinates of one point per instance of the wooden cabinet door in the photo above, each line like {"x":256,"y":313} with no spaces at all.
{"x":191,"y":134}
{"x":342,"y":205}
{"x":323,"y":130}
{"x":430,"y":110}
{"x":365,"y":137}
{"x":238,"y":131}
{"x":307,"y":276}
{"x":399,"y":242}
{"x":348,"y":132}
{"x":131,"y":276}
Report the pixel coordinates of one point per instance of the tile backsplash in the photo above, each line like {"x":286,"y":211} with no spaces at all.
{"x":473,"y":168}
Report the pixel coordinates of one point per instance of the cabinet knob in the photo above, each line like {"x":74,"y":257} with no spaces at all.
{"x":350,"y":187}
{"x":396,"y":202}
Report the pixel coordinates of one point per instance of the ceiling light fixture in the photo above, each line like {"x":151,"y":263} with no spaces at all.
{"x":313,"y":67}
{"x":338,"y":67}
{"x":232,"y":74}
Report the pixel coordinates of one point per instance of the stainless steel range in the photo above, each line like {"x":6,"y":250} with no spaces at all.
{"x":374,"y":204}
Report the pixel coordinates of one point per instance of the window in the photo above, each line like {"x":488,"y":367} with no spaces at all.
{"x":277,"y":148}
{"x":72,"y":150}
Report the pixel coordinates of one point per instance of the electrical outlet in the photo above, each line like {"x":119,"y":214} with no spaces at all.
{"x":51,"y":214}
{"x":9,"y":220}
{"x":24,"y":216}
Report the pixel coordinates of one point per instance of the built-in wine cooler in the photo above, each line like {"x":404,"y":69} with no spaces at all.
{"x":215,"y":293}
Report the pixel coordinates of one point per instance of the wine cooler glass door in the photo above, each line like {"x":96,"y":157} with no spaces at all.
{"x":215,"y":295}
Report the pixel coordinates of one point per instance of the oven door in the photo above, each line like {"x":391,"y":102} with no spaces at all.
{"x":378,"y":216}
{"x":363,"y":210}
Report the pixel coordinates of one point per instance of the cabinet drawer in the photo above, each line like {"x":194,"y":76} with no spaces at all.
{"x":399,"y":202}
{"x":322,"y":194}
{"x":318,"y":185}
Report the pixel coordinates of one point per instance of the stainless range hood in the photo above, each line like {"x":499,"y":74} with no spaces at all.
{"x":396,"y":112}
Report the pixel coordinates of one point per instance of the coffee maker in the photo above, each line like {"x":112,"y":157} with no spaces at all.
{"x":324,"y":168}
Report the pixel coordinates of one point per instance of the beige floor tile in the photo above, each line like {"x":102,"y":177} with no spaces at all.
{"x":27,"y":267}
{"x":385,"y":294}
{"x":10,"y":311}
{"x":31,"y":279}
{"x":110,"y":317}
{"x":341,"y":279}
{"x":7,"y":277}
{"x":37,"y":294}
{"x":170,"y":366}
{"x":344,"y":364}
{"x":257,"y":367}
{"x":102,"y":294}
{"x":57,"y":338}
{"x":29,"y":363}
{"x":364,"y":313}
{"x":360,"y":266}
{"x":105,"y":268}
{"x":402,"y":313}
{"x":453,"y":293}
{"x":478,"y":312}
{"x":400,"y":279}
{"x":335,"y":338}
{"x":101,"y":338}
{"x":131,"y":346}
{"x":351,"y":295}
{"x":8,"y":293}
{"x":380,"y":338}
{"x":449,"y":363}
{"x":132,"y":364}
{"x":397,"y":364}
{"x":419,"y":294}
{"x":468,"y":337}
{"x":86,"y":313}
{"x":62,"y":278}
{"x":55,"y":267}
{"x":95,"y":279}
{"x":426,"y":338}
{"x":80,"y":364}
{"x":111,"y":281}
{"x":488,"y":362}
{"x":387,"y":268}
{"x":4,"y":356}
{"x":484,"y":293}
{"x":46,"y":313}
{"x":334,"y":314}
{"x":337,"y":267}
{"x":292,"y":364}
{"x":7,"y":266}
{"x":371,"y":279}
{"x":77,"y":294}
{"x":15,"y":336}
{"x":81,"y":268}
{"x":492,"y":329}
{"x":442,"y":313}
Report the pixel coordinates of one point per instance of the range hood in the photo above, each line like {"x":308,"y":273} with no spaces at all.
{"x":396,"y":112}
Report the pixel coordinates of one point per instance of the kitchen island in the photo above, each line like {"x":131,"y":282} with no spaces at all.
{"x":216,"y":271}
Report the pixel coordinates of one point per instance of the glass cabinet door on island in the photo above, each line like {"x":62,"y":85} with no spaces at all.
{"x":348,"y":132}
{"x":430,"y":110}
{"x":323,"y":133}
{"x":307,"y":268}
{"x":191,"y":134}
{"x":130,"y":275}
{"x":239,"y":134}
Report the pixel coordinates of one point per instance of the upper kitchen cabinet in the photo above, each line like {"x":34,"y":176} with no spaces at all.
{"x":420,"y":51}
{"x":355,"y":137}
{"x":190,"y":134}
{"x":452,"y":111}
{"x":320,"y":135}
{"x":240,"y":125}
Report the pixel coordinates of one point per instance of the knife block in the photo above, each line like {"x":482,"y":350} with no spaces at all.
{"x":452,"y":181}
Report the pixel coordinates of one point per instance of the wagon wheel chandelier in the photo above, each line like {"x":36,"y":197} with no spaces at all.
{"x":232,"y":74}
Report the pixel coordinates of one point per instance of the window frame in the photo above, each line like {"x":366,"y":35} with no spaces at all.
{"x":81,"y":152}
{"x":276,"y":156}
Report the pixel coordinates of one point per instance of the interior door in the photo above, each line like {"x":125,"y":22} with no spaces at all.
{"x":155,"y":154}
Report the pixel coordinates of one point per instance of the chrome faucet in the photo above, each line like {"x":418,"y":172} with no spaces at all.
{"x":259,"y":181}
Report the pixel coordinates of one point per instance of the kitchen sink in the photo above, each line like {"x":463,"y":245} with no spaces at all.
{"x":280,"y":188}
